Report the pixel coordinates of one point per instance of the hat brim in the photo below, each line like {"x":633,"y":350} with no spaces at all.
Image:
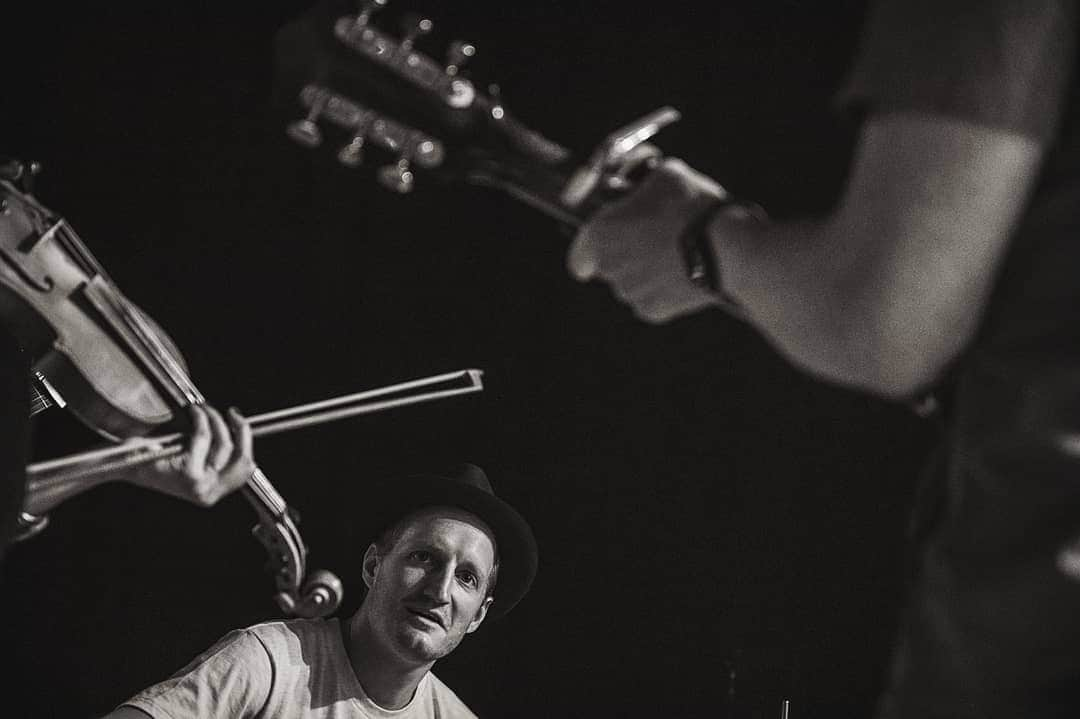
{"x":516,"y":545}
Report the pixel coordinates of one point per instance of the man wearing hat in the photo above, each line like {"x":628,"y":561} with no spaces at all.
{"x":431,"y":578}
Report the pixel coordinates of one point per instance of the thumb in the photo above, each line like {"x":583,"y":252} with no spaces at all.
{"x":581,"y":260}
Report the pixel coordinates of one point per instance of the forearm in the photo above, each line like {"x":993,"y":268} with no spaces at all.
{"x":50,"y":486}
{"x":43,"y":495}
{"x":799,"y":286}
{"x":885,"y":291}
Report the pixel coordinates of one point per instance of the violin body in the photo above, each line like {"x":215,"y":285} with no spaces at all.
{"x":60,"y":304}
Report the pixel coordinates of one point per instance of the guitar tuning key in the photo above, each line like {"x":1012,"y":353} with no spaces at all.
{"x":459,"y":53}
{"x":367,"y":9}
{"x":398,"y":177}
{"x":414,"y":27}
{"x":495,"y":93}
{"x":305,"y":131}
{"x":461,"y":92}
{"x":352,"y":154}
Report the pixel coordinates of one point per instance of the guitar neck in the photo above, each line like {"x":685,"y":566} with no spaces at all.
{"x":541,"y":187}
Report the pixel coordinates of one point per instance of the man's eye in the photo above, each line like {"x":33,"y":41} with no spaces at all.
{"x":468,"y":579}
{"x":420,"y":556}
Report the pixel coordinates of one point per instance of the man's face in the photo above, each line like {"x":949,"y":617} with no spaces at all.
{"x":429,"y":589}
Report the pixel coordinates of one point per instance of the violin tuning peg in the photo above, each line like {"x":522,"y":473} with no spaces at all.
{"x":286,"y":603}
{"x":20,"y":173}
{"x":33,"y":169}
{"x":322,"y":592}
{"x":398,"y":177}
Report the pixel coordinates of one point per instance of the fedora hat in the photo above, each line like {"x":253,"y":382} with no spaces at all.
{"x":467,"y":487}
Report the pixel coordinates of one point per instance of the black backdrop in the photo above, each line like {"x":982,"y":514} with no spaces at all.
{"x":700,"y":506}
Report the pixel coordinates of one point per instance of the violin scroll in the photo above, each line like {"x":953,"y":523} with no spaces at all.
{"x":321,"y":595}
{"x":297,"y":594}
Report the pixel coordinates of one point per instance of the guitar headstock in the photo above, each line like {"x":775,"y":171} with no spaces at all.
{"x":366,"y":95}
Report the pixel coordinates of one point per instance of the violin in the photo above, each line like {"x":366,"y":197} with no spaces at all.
{"x":277,"y":529}
{"x":97,"y":354}
{"x":111,"y":364}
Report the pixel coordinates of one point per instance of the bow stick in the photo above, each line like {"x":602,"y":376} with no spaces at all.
{"x":133,"y":453}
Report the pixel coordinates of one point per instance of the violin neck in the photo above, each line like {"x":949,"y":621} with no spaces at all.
{"x":264,"y":497}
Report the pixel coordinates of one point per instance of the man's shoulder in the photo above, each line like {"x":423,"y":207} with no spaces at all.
{"x":294,"y":635}
{"x":293,"y":628}
{"x":449,"y":704}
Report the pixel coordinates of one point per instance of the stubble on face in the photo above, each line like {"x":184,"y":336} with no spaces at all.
{"x":422,"y":601}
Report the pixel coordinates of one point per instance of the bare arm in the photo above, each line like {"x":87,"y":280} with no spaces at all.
{"x":887,"y":289}
{"x":882,"y":293}
{"x":218,"y":460}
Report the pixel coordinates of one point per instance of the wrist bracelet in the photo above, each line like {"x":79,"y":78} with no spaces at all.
{"x":699,"y":257}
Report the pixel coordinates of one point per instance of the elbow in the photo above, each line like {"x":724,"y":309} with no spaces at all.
{"x":897,"y":381}
{"x":891,"y":346}
{"x":886,"y":365}
{"x":898,"y":357}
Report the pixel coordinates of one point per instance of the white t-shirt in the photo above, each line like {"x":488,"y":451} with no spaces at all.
{"x":288,"y":669}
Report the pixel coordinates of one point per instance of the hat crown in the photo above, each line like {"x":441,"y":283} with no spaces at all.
{"x":467,"y":487}
{"x":471,"y":475}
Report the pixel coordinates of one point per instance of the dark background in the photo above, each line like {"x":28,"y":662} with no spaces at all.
{"x":701,"y":507}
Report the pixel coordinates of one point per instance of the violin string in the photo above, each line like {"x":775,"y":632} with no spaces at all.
{"x":135,"y":323}
{"x":150,"y":341}
{"x":38,"y":401}
{"x":261,"y":485}
{"x":75,"y":246}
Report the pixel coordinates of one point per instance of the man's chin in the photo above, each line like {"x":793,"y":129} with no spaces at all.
{"x":421,"y":645}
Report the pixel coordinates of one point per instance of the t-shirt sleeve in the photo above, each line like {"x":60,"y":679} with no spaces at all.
{"x":1004,"y":64}
{"x":231,"y":679}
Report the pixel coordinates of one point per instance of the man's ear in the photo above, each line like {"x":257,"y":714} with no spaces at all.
{"x":371,"y":564}
{"x":480,"y":614}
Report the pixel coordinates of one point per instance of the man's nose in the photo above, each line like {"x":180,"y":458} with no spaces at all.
{"x":437,"y":586}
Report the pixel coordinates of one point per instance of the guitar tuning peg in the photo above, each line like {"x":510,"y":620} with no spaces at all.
{"x":367,"y":9}
{"x":398,"y":177}
{"x":414,"y":27}
{"x":495,"y":93}
{"x":352,"y":154}
{"x":305,"y":131}
{"x":459,"y":53}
